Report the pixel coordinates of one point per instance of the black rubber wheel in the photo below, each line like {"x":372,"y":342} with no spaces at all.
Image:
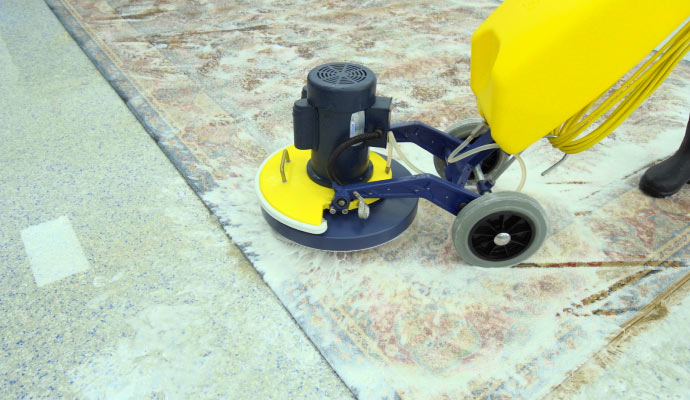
{"x":502,"y":224}
{"x":499,"y":229}
{"x":490,"y":165}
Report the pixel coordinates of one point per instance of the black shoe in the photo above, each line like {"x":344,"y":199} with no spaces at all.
{"x":670,"y":175}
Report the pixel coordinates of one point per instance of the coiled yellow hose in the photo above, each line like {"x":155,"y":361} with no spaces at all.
{"x":623,"y":101}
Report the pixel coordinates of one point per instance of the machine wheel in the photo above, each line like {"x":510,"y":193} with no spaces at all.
{"x":462,"y":130}
{"x":499,"y":229}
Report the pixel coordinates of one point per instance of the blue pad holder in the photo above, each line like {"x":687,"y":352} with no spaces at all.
{"x":388,"y":219}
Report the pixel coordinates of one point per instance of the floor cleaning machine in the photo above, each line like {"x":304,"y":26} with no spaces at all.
{"x":329,"y":191}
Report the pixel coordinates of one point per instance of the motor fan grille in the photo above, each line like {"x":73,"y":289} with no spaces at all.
{"x":342,"y":74}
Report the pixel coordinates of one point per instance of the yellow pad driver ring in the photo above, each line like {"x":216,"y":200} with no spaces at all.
{"x":299,"y":202}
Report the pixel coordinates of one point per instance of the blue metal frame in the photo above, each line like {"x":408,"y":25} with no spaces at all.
{"x":449,"y":194}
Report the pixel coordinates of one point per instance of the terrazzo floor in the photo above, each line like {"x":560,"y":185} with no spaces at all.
{"x":148,"y":297}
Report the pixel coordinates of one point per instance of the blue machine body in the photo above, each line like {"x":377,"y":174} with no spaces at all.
{"x":449,"y":193}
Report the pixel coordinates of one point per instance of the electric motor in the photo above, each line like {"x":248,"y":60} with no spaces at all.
{"x":339,"y":102}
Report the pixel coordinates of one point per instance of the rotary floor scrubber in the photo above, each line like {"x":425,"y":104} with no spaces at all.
{"x":532,"y":69}
{"x":309,"y":192}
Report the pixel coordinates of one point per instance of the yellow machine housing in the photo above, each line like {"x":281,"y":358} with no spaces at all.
{"x":535,"y":63}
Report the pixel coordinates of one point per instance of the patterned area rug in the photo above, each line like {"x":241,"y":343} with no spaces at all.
{"x":214,"y":82}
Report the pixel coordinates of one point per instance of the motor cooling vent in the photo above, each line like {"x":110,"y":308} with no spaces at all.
{"x":342,"y":74}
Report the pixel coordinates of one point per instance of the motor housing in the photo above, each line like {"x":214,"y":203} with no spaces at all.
{"x":338,"y":103}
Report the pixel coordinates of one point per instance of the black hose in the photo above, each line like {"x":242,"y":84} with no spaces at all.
{"x":330,"y":165}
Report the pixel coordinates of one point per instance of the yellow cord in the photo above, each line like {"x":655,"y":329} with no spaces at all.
{"x":620,"y":104}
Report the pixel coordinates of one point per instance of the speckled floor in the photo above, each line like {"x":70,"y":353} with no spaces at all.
{"x":149,"y":298}
{"x":166,"y":306}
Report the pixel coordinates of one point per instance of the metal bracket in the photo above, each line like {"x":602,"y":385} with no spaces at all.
{"x":559,"y":162}
{"x":285,"y":158}
{"x":441,"y":192}
{"x":362,"y":206}
{"x":449,"y":194}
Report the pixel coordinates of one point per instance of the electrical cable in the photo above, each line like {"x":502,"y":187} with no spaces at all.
{"x":623,"y":101}
{"x":330,"y":164}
